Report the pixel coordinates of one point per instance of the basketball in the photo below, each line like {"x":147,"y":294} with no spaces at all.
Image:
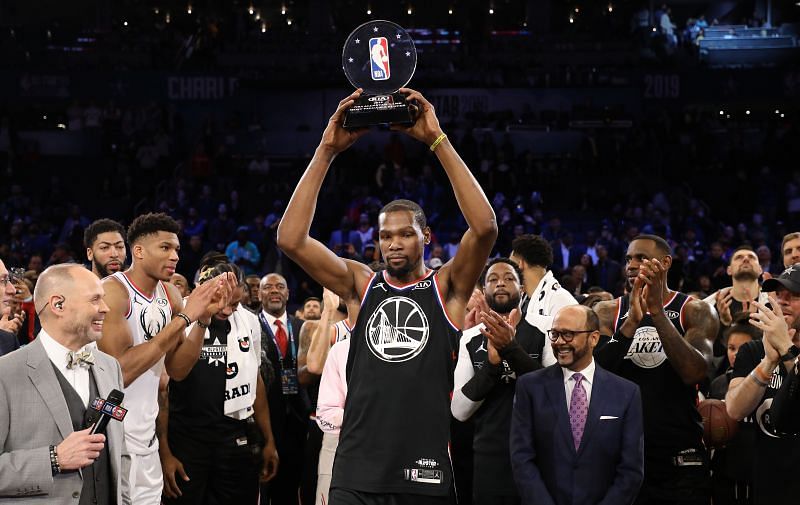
{"x":718,"y":427}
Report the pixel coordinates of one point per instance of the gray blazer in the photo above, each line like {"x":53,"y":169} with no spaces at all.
{"x":34,"y":416}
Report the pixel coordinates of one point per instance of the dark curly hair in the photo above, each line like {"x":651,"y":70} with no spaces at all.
{"x":101,"y":226}
{"x":150,"y":224}
{"x":534,"y":249}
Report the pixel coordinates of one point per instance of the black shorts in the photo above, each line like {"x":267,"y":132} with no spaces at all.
{"x":341,"y":496}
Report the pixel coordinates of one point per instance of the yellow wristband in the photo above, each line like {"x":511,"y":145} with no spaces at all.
{"x":438,"y":141}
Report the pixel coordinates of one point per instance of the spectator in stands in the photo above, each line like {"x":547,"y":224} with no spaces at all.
{"x":9,"y":324}
{"x":244,"y":253}
{"x":221,"y":230}
{"x":765,"y":260}
{"x":790,"y":249}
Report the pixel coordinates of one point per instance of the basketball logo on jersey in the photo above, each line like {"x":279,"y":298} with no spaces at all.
{"x":244,"y":344}
{"x":398,"y":330}
{"x":232,"y":370}
{"x":646,"y":351}
{"x":153,"y":318}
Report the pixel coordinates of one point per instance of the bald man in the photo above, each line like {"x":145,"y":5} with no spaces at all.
{"x":45,"y":392}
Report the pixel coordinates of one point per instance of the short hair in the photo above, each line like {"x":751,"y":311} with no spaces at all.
{"x":534,"y":249}
{"x":150,"y":224}
{"x":101,"y":226}
{"x":312,"y":299}
{"x":252,"y":277}
{"x":495,"y":261}
{"x":661,"y":244}
{"x":741,"y":324}
{"x":788,"y":237}
{"x":743,"y":247}
{"x":212,"y":259}
{"x":407,"y":205}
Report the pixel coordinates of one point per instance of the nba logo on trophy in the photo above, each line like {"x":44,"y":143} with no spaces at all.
{"x":379,"y":58}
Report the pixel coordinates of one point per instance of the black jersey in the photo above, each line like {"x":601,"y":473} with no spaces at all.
{"x":492,"y":461}
{"x":396,"y":425}
{"x":669,"y":407}
{"x":775,"y":463}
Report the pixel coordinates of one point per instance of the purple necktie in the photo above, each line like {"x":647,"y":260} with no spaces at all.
{"x":578,"y":410}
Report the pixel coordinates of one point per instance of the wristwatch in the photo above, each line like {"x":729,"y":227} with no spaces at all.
{"x":791,"y":354}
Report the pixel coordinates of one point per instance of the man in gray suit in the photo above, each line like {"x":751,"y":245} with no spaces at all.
{"x":45,"y":390}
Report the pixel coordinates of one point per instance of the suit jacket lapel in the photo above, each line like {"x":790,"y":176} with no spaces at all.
{"x":557,"y":396}
{"x":44,"y":379}
{"x":599,"y":396}
{"x":101,"y":372}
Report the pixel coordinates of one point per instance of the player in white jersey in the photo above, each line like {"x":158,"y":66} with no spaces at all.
{"x":144,"y":330}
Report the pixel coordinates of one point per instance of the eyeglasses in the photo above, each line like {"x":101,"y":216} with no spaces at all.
{"x":13,"y":275}
{"x":566,"y":335}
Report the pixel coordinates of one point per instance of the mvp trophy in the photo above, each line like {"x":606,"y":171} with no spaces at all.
{"x":379,"y":57}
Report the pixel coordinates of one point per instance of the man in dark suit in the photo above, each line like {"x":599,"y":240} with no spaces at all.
{"x":576,"y":430}
{"x":288,"y":402}
{"x":9,"y":324}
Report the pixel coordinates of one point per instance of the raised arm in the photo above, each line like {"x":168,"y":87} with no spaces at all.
{"x":339,"y":275}
{"x":477,"y":242}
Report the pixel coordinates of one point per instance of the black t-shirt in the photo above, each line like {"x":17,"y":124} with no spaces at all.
{"x":670,"y":417}
{"x":492,"y":460}
{"x":196,"y":404}
{"x":396,"y":425}
{"x":776,"y":459}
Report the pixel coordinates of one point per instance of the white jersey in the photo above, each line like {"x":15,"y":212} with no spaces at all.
{"x":547,"y":299}
{"x":146,"y":316}
{"x":342,"y":330}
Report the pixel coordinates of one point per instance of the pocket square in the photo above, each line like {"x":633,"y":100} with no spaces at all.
{"x":608,"y":417}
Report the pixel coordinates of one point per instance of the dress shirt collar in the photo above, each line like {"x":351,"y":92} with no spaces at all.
{"x":57,"y":352}
{"x":588,"y":373}
{"x":271,"y":319}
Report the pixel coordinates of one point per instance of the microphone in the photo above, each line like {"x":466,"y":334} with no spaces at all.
{"x":105,"y":410}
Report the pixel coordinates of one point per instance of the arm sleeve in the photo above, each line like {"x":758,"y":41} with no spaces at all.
{"x":333,"y":389}
{"x":462,"y":407}
{"x":519,"y":359}
{"x":24,"y":472}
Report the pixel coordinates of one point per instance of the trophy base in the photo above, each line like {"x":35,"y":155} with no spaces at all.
{"x":379,"y":109}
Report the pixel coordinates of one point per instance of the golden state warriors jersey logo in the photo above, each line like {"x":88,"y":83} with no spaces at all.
{"x":398,"y":330}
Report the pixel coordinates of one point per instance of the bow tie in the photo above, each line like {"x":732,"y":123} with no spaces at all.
{"x":84,"y":358}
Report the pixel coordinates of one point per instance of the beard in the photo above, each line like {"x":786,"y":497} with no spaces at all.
{"x":104,"y":271}
{"x":399,"y":272}
{"x":503,"y":307}
{"x":745,"y":276}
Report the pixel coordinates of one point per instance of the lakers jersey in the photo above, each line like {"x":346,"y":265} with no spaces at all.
{"x":671,"y":420}
{"x":146,"y":317}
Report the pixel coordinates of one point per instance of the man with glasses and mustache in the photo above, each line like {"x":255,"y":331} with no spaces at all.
{"x":104,"y":240}
{"x":576,"y":429}
{"x":491,"y":358}
{"x":661,"y":340}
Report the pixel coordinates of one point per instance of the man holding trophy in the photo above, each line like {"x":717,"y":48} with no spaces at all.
{"x":394,"y":439}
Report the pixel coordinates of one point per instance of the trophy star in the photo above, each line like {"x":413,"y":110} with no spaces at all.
{"x":408,"y":53}
{"x":358,"y":41}
{"x":398,"y":36}
{"x":375,"y":29}
{"x":350,"y":60}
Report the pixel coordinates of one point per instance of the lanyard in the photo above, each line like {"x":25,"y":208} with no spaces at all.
{"x":266,"y":326}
